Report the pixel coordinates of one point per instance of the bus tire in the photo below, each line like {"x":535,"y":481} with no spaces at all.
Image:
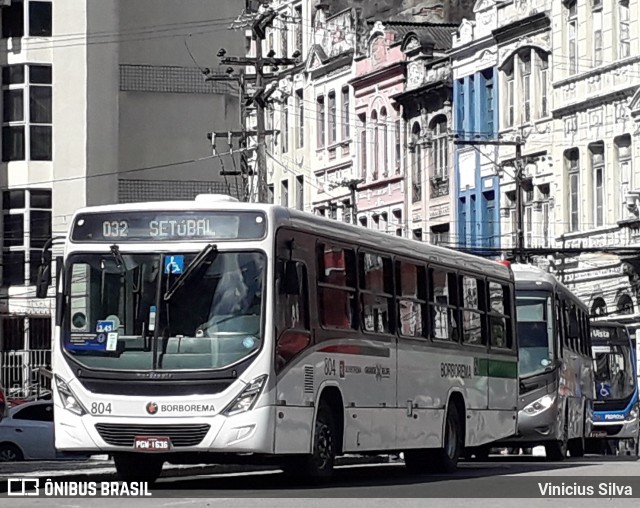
{"x":557,"y":450}
{"x":576,"y":447}
{"x":318,"y":465}
{"x":447,"y":456}
{"x":440,"y":460}
{"x":135,"y":467}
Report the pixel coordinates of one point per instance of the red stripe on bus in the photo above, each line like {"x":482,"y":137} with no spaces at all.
{"x":350,"y":349}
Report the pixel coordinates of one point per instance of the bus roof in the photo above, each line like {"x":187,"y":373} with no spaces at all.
{"x":531,"y":277}
{"x":296,"y":219}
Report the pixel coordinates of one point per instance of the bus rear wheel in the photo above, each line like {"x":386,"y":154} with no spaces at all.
{"x":440,"y":460}
{"x":135,"y":467}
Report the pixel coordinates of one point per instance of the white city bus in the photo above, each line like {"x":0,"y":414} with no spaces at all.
{"x":217,"y":331}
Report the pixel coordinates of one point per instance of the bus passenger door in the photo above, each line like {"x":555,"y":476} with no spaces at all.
{"x":293,"y":338}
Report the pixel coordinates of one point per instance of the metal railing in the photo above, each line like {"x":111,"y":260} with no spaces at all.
{"x":21,"y":373}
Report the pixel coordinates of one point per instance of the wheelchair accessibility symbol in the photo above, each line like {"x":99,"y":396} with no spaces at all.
{"x":605,"y":390}
{"x":174,"y":265}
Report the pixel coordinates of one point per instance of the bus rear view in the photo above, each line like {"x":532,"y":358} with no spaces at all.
{"x":616,"y":406}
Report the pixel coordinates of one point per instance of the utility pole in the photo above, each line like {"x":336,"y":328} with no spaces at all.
{"x":518,"y":177}
{"x":352,"y":185}
{"x":259,"y":25}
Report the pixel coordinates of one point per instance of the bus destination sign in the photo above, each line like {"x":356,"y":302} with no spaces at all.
{"x":151,"y":226}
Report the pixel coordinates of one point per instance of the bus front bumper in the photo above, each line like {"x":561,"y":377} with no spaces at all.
{"x":536,"y":428}
{"x":621,"y":429}
{"x":248,"y":432}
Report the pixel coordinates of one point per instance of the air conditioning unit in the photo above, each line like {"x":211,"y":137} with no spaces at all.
{"x":5,"y":3}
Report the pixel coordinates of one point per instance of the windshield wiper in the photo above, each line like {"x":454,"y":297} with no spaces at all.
{"x":209,"y":253}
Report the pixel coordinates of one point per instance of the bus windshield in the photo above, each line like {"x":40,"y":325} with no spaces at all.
{"x":535,"y":333}
{"x":118,"y":317}
{"x":614,"y":374}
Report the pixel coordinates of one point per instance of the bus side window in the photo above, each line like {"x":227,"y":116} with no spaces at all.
{"x":337,"y":275}
{"x":574,"y":328}
{"x":412,"y":298}
{"x":559,"y":326}
{"x":472,"y":314}
{"x":293,"y":306}
{"x":582,"y":336}
{"x":586,"y":342}
{"x":499,"y":316}
{"x":443,"y":320}
{"x":376,"y":292}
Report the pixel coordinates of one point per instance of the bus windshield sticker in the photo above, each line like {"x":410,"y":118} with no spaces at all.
{"x":174,"y":265}
{"x":112,"y":341}
{"x":86,"y":342}
{"x":152,"y":318}
{"x":604,"y":390}
{"x":105,"y":326}
{"x":158,"y":226}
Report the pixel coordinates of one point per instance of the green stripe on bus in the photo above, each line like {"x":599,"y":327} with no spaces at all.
{"x":497,"y":368}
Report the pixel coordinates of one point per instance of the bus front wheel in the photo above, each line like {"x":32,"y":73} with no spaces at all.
{"x":135,"y":467}
{"x":557,"y":450}
{"x":319,"y":464}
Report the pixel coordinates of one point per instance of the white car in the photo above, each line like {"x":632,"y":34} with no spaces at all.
{"x":26,"y":433}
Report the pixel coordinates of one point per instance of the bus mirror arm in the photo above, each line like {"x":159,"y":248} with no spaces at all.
{"x":43,"y":280}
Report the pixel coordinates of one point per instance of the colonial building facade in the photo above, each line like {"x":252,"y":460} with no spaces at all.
{"x":426,"y":105}
{"x":596,"y":65}
{"x":379,"y":76}
{"x":523,"y":40}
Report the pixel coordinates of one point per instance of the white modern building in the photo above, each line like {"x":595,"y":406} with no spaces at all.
{"x":104,"y":101}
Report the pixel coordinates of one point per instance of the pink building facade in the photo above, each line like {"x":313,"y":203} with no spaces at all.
{"x":379,"y":75}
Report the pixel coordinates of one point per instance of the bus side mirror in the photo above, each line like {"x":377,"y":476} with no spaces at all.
{"x":291,"y":279}
{"x":43,"y":280}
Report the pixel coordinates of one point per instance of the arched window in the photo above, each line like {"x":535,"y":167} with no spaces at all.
{"x":440,"y":147}
{"x":598,"y":307}
{"x":625,"y":304}
{"x":416,"y":163}
{"x":385,"y":143}
{"x":376,"y":146}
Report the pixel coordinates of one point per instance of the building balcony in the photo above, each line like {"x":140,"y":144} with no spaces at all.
{"x":439,"y":186}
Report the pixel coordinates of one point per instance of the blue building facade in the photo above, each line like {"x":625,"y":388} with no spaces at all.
{"x":477,"y":191}
{"x":474,"y":64}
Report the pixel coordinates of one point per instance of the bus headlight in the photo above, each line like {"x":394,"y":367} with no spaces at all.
{"x":247,"y":398}
{"x":540,"y":405}
{"x":633,"y":414}
{"x":68,"y":398}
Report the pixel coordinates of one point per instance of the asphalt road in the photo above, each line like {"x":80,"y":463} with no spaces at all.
{"x":374,"y":485}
